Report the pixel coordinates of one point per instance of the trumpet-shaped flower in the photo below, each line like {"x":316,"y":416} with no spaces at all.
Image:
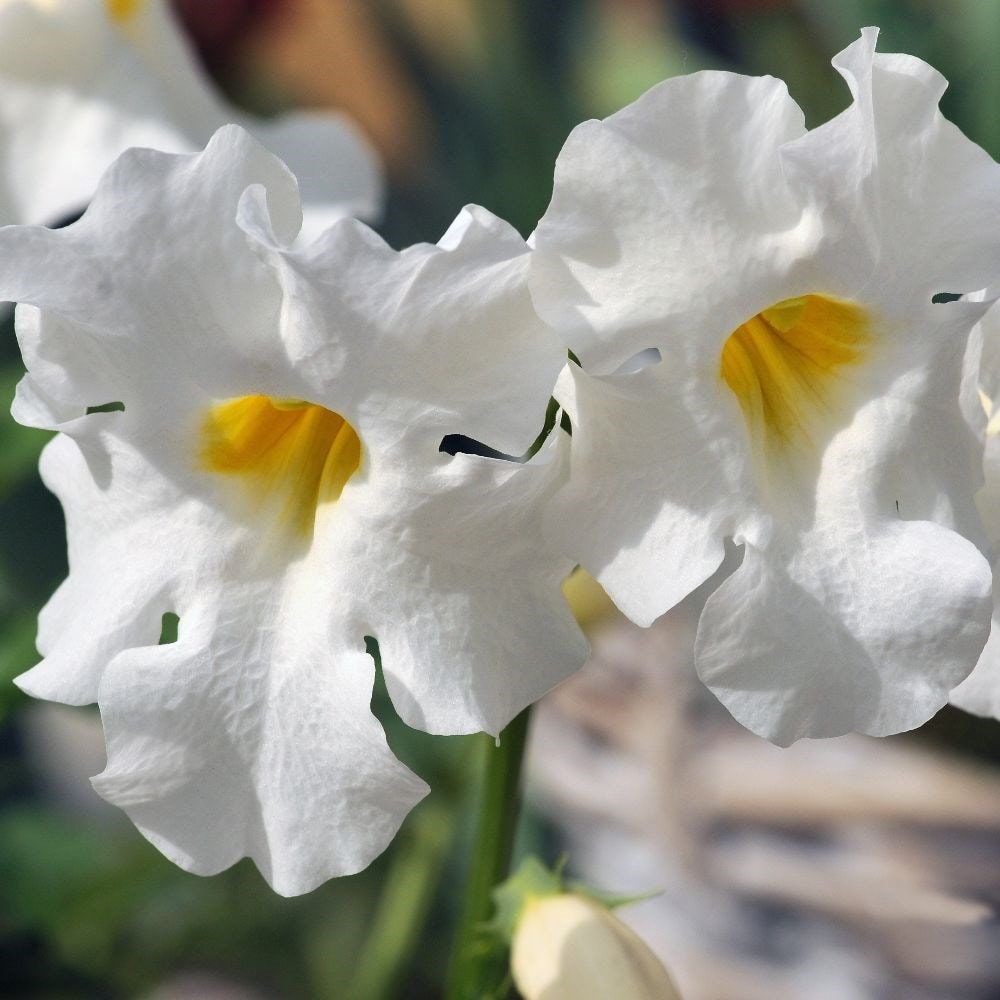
{"x":269,"y":471}
{"x":83,"y":80}
{"x":806,"y":401}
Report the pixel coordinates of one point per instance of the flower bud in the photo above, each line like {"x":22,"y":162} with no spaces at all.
{"x":568,"y":947}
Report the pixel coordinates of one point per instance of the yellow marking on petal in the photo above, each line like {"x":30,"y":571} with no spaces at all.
{"x":992,"y":414}
{"x":588,"y":601}
{"x":985,"y":402}
{"x":785,"y":363}
{"x":290,"y":456}
{"x":123,"y":10}
{"x":993,"y":425}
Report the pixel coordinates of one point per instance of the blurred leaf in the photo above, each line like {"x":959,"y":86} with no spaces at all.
{"x":19,"y":446}
{"x":975,"y":27}
{"x":43,"y":863}
{"x":17,"y":654}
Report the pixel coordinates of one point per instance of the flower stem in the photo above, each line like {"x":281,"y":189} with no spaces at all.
{"x":403,"y":907}
{"x":473,"y":972}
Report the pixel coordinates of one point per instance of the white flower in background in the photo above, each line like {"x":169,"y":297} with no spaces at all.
{"x":806,"y":401}
{"x":83,"y":80}
{"x":274,"y":478}
{"x":980,"y":691}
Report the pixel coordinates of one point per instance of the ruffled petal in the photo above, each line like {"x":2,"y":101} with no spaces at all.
{"x":659,"y":209}
{"x":211,"y":326}
{"x":890,"y":178}
{"x":336,"y":168}
{"x":453,"y":323}
{"x":847,"y":629}
{"x":468,"y":552}
{"x":644,"y":511}
{"x":234,"y":742}
{"x":111,"y":599}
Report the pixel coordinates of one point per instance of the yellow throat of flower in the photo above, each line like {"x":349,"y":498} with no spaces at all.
{"x":785,"y":364}
{"x":287,"y":456}
{"x":123,"y":10}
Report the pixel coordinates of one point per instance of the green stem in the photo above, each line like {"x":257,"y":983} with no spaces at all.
{"x":473,"y":973}
{"x":403,"y":906}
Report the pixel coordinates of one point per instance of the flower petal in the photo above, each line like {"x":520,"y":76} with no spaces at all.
{"x":806,"y":403}
{"x":889,"y":152}
{"x":110,"y":601}
{"x":979,"y":693}
{"x":212,"y":324}
{"x":847,"y":628}
{"x":453,"y":323}
{"x":661,"y":205}
{"x":644,"y":511}
{"x":232,"y":743}
{"x":468,"y":554}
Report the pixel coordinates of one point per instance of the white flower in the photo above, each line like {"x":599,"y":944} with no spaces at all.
{"x":275,"y":480}
{"x":83,"y":80}
{"x":980,"y":691}
{"x":806,"y":404}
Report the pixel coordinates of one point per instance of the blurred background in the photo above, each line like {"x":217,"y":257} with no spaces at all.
{"x":851,"y":868}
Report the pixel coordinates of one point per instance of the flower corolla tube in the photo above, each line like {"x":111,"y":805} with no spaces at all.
{"x":249,"y":439}
{"x":83,"y":80}
{"x":798,"y":441}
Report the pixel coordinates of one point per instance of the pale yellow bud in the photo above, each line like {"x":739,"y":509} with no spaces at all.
{"x":567,"y":947}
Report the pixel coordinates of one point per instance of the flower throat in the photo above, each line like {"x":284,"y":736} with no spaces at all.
{"x":786,"y":364}
{"x":289,"y":456}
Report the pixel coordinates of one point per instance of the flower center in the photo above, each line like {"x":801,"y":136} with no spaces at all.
{"x":786,"y":364}
{"x":123,"y":10}
{"x":288,"y":456}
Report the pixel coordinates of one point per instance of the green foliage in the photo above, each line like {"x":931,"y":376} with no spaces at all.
{"x":534,"y":880}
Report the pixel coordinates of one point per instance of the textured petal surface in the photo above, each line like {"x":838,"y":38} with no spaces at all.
{"x":979,"y":693}
{"x":449,"y":335}
{"x":240,"y":741}
{"x":451,"y":322}
{"x":657,"y":209}
{"x":470,"y":554}
{"x":891,"y":152}
{"x":625,"y":500}
{"x":210,"y":325}
{"x":814,"y":640}
{"x":110,"y":601}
